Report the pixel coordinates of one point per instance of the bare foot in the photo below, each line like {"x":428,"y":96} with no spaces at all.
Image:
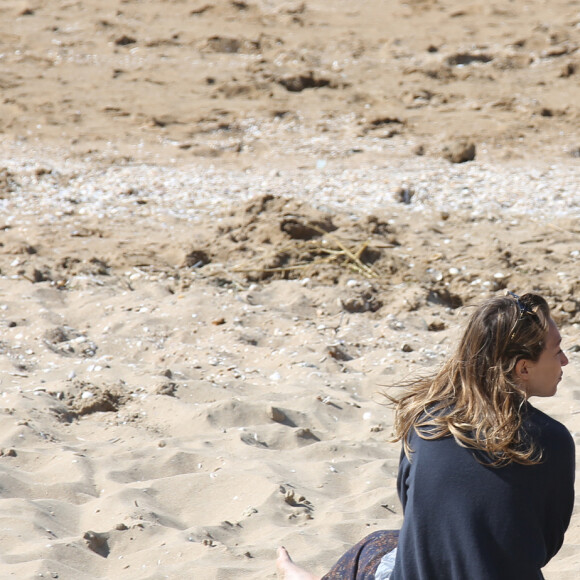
{"x":287,"y":570}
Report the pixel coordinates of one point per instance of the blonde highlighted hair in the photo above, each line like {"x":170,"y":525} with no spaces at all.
{"x":474,"y":397}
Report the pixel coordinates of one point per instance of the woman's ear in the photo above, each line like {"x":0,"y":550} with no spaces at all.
{"x":523,"y":369}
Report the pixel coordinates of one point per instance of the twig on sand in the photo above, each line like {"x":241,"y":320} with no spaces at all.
{"x":353,"y":257}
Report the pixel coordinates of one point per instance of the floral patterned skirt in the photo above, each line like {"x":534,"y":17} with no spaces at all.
{"x":363,"y":559}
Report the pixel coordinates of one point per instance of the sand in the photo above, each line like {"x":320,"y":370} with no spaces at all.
{"x":225,"y":228}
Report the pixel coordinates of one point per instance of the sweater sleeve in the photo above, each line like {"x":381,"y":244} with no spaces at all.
{"x":559,"y":467}
{"x":403,"y":479}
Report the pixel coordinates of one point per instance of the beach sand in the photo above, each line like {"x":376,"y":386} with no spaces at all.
{"x":226,"y":227}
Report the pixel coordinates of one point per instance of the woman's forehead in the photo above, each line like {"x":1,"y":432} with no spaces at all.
{"x":553,"y":338}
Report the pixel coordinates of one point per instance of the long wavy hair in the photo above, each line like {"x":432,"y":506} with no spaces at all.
{"x":475,"y":397}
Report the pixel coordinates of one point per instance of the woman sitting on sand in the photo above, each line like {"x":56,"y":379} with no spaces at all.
{"x":486,"y":481}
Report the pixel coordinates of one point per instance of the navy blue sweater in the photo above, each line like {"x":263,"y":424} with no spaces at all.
{"x":468,"y":521}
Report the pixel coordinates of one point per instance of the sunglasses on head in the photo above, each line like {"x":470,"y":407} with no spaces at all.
{"x":523,"y":308}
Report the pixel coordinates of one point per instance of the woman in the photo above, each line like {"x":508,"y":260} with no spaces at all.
{"x":486,"y":480}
